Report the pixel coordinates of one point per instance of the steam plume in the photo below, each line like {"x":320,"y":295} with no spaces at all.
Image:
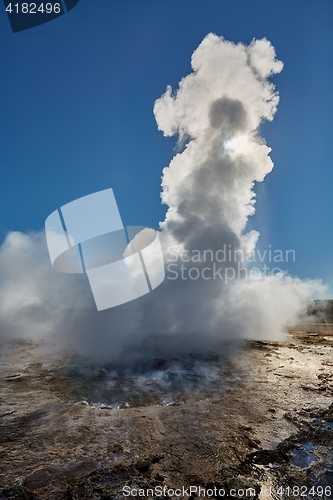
{"x":209,"y":190}
{"x":208,"y":187}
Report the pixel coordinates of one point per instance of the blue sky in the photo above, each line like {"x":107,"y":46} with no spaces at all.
{"x":77,"y":96}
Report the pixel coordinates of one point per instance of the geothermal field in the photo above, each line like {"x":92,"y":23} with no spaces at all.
{"x":195,"y":386}
{"x":256,"y":421}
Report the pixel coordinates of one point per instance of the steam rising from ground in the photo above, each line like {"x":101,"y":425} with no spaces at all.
{"x":209,"y":190}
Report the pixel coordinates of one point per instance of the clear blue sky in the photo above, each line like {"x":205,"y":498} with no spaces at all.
{"x":76,"y":112}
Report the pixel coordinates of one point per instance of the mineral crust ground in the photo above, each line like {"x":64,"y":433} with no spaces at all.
{"x":267,"y":425}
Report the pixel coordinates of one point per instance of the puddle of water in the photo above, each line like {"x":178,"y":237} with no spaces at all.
{"x":160,"y":382}
{"x":303,"y":457}
{"x":307,"y":446}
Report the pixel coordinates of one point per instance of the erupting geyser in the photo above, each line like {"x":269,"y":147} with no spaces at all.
{"x":209,"y":190}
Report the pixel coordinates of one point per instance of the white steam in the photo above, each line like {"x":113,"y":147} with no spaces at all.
{"x":209,"y":190}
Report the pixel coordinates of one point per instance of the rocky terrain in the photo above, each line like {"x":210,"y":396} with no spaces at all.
{"x":261,"y":418}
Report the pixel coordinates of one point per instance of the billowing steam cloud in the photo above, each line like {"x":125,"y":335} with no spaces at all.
{"x":209,"y":190}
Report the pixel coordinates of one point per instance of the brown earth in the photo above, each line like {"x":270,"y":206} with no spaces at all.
{"x":255,"y":432}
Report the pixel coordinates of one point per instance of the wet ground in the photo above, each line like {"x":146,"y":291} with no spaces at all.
{"x":259,"y":417}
